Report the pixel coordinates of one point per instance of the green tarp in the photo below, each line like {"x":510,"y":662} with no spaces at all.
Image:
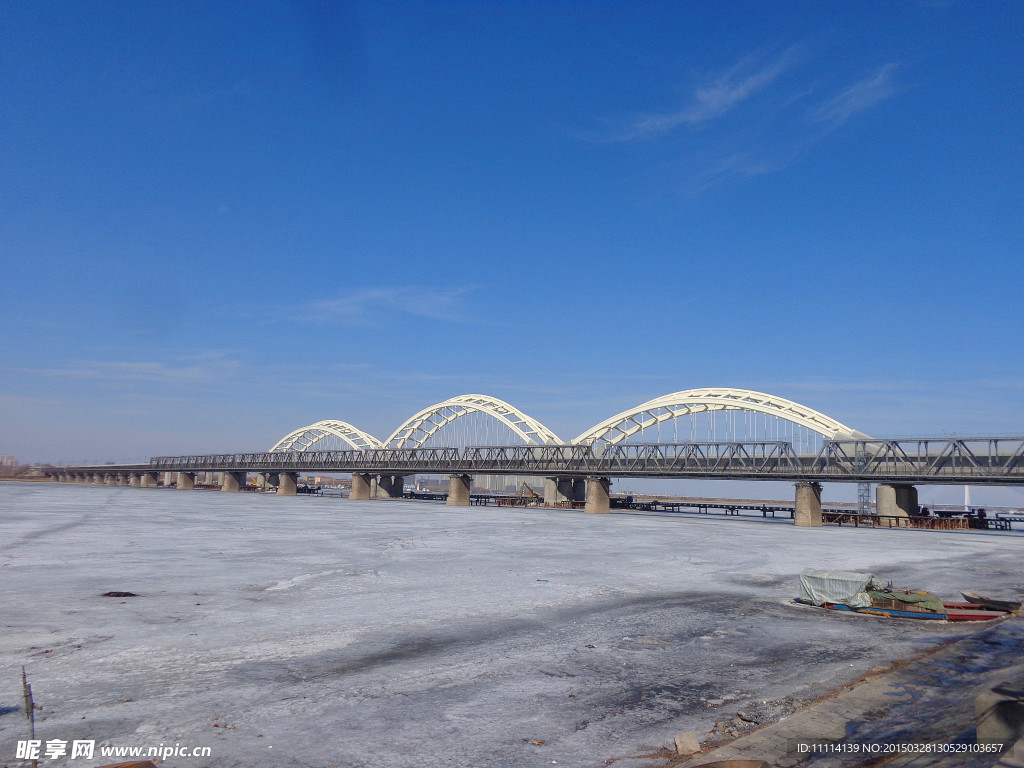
{"x":841,"y":587}
{"x":924,"y":600}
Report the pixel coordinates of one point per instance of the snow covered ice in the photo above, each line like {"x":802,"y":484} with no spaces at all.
{"x":323,"y":632}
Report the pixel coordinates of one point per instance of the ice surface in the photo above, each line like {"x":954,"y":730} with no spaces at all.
{"x":323,"y":632}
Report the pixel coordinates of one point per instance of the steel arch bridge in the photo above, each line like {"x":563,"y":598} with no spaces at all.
{"x":419,"y":430}
{"x":738,"y":413}
{"x":691,"y":402}
{"x":305,"y":438}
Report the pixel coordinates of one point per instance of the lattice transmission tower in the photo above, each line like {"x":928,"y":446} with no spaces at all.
{"x":864,"y":498}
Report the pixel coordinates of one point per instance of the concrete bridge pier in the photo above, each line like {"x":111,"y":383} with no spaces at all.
{"x":186,"y":481}
{"x":360,"y":487}
{"x":550,"y":485}
{"x":579,"y":489}
{"x":558,"y":490}
{"x":231,"y":482}
{"x":149,"y":480}
{"x":896,"y":499}
{"x":135,"y":479}
{"x":389,"y":487}
{"x":287,"y":483}
{"x":109,"y":479}
{"x":807,"y":508}
{"x":597,"y":501}
{"x":458,"y":490}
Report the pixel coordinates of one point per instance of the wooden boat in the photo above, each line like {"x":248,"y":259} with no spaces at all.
{"x":952,"y":612}
{"x":888,"y":612}
{"x":863,"y":593}
{"x":972,"y":612}
{"x":992,"y":605}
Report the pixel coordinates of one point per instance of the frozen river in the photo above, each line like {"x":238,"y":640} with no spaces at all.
{"x":323,"y":632}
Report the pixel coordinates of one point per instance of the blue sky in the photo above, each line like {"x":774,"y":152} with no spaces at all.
{"x":222,"y":221}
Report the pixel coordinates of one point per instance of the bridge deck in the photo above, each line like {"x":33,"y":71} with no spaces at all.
{"x":974,"y":461}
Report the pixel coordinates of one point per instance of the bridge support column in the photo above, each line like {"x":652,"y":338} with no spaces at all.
{"x":896,"y":499}
{"x":232,"y":481}
{"x":390,"y":487}
{"x":597,"y":495}
{"x":360,"y":487}
{"x":579,"y":489}
{"x":186,"y":481}
{"x":135,"y":480}
{"x":149,"y":480}
{"x":807,"y":508}
{"x":286,"y":483}
{"x":458,"y":490}
{"x":558,"y":490}
{"x":549,"y":491}
{"x":110,"y":479}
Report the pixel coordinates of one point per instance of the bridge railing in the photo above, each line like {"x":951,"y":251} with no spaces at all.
{"x":710,"y":458}
{"x":984,"y":457}
{"x":950,"y":460}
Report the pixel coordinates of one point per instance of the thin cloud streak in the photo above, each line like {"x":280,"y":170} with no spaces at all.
{"x":858,"y":97}
{"x":759,"y":116}
{"x":371,"y":306}
{"x":208,"y":368}
{"x":717,"y":97}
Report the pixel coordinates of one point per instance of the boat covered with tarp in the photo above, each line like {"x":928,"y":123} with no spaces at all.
{"x":865,"y":593}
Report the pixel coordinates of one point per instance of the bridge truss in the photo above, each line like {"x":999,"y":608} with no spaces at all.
{"x":986,"y":460}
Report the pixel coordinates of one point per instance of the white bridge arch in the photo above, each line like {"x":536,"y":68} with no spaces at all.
{"x":425,"y":426}
{"x":418,"y":430}
{"x":625,"y":425}
{"x":306,"y":437}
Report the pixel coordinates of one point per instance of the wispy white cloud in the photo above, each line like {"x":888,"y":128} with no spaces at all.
{"x":760,"y":115}
{"x":209,"y":367}
{"x":715,"y":96}
{"x":858,"y":97}
{"x":373,"y":306}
